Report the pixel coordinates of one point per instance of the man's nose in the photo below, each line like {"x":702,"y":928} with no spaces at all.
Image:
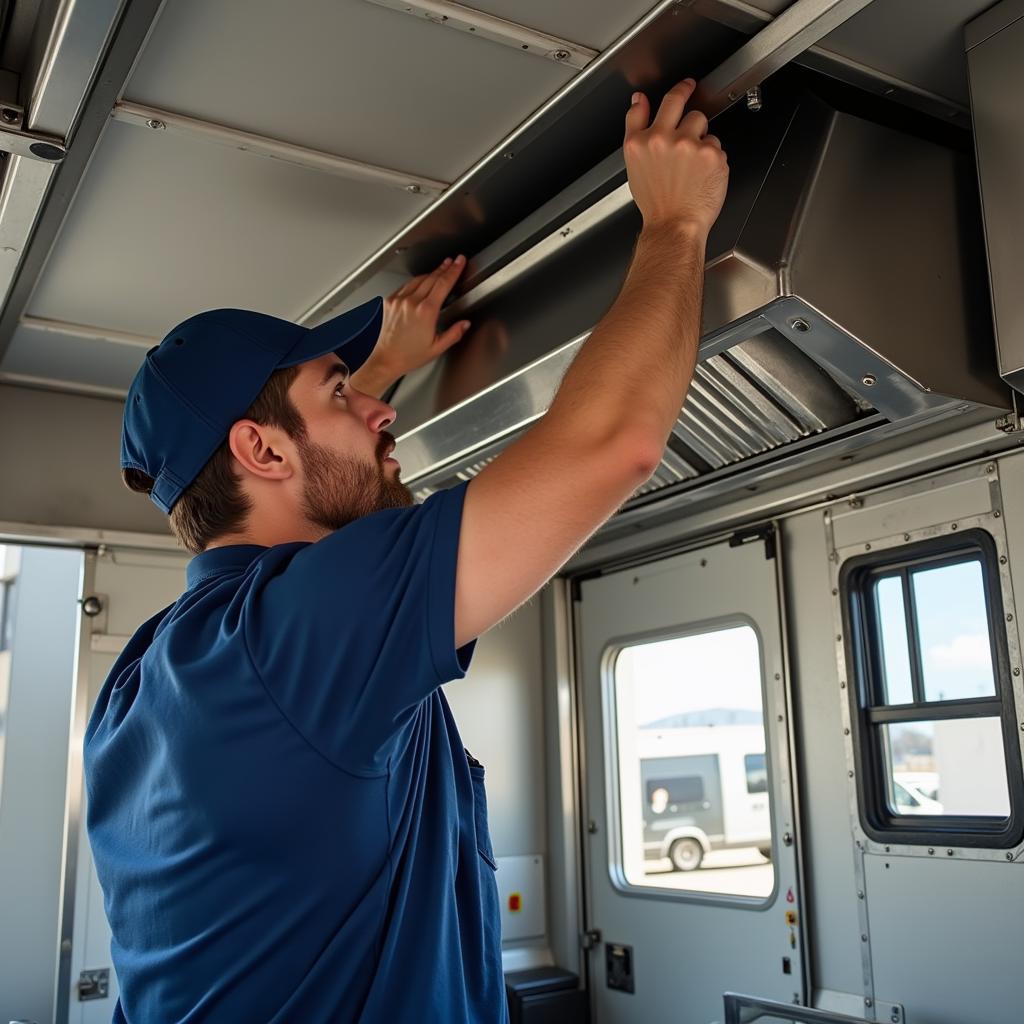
{"x":377,"y":414}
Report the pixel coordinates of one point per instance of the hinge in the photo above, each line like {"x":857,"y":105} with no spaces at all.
{"x":588,"y":940}
{"x":765,"y":533}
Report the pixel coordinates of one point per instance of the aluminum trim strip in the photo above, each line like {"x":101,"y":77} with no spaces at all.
{"x":159,"y":121}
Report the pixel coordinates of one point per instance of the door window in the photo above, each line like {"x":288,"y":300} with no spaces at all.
{"x":690,"y":784}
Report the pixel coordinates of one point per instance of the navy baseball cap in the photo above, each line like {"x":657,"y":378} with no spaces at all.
{"x":204,"y":375}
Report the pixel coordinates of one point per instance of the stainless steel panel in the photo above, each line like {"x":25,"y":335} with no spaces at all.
{"x":996,"y":78}
{"x":945,"y":937}
{"x":209,"y":227}
{"x":348,"y":78}
{"x":594,"y":23}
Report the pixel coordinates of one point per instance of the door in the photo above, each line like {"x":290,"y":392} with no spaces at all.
{"x":127,"y":587}
{"x":690,"y":839}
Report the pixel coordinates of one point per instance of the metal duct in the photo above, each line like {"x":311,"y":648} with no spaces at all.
{"x":840,"y":294}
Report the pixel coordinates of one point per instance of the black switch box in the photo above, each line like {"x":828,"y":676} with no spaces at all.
{"x":545,"y":995}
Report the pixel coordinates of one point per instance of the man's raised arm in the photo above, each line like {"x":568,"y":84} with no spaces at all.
{"x":531,"y":509}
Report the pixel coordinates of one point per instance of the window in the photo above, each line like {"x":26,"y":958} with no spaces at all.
{"x":934,"y":724}
{"x":691,"y":782}
{"x":757,"y":773}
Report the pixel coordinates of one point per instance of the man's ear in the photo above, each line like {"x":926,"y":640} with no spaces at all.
{"x":267,"y":453}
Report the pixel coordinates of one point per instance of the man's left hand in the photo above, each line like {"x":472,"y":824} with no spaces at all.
{"x":409,"y":336}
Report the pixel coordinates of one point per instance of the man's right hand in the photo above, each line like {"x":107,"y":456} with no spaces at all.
{"x":677,"y":172}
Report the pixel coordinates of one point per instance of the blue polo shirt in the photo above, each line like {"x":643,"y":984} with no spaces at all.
{"x":284,"y":820}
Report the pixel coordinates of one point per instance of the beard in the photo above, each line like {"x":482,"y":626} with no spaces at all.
{"x":340,"y":489}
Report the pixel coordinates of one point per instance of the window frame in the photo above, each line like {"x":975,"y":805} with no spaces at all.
{"x":869,"y":714}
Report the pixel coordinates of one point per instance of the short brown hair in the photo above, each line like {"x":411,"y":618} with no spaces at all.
{"x":214,"y":503}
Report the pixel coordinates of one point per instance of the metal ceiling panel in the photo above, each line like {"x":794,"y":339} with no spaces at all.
{"x":166,"y":226}
{"x":593,"y":23}
{"x":916,"y":41}
{"x":345,"y":77}
{"x":89,"y":365}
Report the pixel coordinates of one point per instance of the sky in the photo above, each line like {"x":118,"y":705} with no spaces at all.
{"x":721,"y":669}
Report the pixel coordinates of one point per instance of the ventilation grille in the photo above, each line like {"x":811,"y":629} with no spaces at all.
{"x":728,"y":417}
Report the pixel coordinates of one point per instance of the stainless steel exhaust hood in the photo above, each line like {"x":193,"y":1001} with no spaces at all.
{"x":842,"y":295}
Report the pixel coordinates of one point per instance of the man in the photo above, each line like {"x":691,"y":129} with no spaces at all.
{"x":284,"y":820}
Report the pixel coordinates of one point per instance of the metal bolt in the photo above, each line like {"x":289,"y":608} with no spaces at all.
{"x":157,"y":126}
{"x":906,"y":536}
{"x":846,"y":732}
{"x":800,"y":324}
{"x":895,"y":1017}
{"x":997,"y":514}
{"x":949,"y":853}
{"x":1009,"y":616}
{"x":931,"y":851}
{"x":1009,"y":856}
{"x":1002,"y":559}
{"x":860,"y":894}
{"x":990,"y":468}
{"x":888,"y":848}
{"x":592,"y":826}
{"x":867,"y":547}
{"x":863,"y":938}
{"x":780,"y":718}
{"x":787,"y":839}
{"x":414,"y":189}
{"x":868,"y":380}
{"x":1016,"y":671}
{"x":561,"y":55}
{"x":850,"y":774}
{"x":839,"y":638}
{"x":856,"y":503}
{"x":868,"y":1001}
{"x":834,"y":592}
{"x":953,"y":526}
{"x":9,"y":116}
{"x":92,"y":605}
{"x":733,"y":97}
{"x":508,"y":154}
{"x":754,"y":99}
{"x":842,"y":684}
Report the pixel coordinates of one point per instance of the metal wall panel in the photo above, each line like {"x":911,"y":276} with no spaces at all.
{"x":946,"y":937}
{"x":499,"y":713}
{"x":831,"y":884}
{"x":63,"y":471}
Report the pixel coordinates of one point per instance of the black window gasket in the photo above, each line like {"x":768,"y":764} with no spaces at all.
{"x":869,"y":713}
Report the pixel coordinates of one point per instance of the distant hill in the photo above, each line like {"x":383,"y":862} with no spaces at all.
{"x":707,"y":716}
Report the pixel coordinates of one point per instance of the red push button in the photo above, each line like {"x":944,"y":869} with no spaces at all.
{"x":515,"y":903}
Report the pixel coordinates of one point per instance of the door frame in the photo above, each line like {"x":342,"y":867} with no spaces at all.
{"x":768,"y":532}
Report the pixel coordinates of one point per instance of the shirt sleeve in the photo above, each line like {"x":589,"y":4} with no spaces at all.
{"x":349,"y":635}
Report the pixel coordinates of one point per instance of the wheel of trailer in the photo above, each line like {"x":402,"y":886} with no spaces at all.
{"x":686,"y":854}
{"x":765,"y":851}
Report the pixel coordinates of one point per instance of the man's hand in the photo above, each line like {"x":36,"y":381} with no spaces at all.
{"x":677,"y":172}
{"x":409,"y":337}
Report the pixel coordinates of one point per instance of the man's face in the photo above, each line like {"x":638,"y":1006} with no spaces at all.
{"x":347,"y":471}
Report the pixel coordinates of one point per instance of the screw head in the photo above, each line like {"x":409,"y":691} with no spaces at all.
{"x":157,"y":126}
{"x":9,"y":115}
{"x":869,"y":380}
{"x":799,"y":324}
{"x":561,"y":55}
{"x":414,"y":189}
{"x":92,"y":605}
